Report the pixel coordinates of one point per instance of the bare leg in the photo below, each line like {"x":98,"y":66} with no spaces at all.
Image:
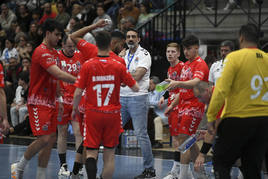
{"x":44,"y":154}
{"x":77,"y":134}
{"x":108,"y":160}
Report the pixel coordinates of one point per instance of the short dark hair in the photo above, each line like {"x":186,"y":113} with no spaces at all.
{"x":117,"y":34}
{"x":229,"y":44}
{"x":24,"y":76}
{"x":250,"y":32}
{"x":103,"y":40}
{"x":51,"y":25}
{"x":134,"y":30}
{"x":190,"y":40}
{"x":155,"y":79}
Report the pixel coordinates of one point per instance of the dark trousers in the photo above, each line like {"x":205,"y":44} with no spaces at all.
{"x":244,"y":138}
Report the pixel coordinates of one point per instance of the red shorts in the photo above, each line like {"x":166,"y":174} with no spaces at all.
{"x":67,"y":114}
{"x":102,"y":128}
{"x":174,"y":123}
{"x":42,"y":119}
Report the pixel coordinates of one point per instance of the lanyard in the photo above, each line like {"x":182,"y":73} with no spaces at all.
{"x":129,"y":60}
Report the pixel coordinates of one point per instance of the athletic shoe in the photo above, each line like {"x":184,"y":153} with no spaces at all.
{"x":73,"y":176}
{"x":15,"y":172}
{"x":81,"y":172}
{"x":147,"y":173}
{"x":172,"y":175}
{"x":64,"y":170}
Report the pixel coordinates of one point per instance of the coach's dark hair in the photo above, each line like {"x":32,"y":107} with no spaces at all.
{"x":190,"y":40}
{"x":103,"y":40}
{"x":250,"y":33}
{"x":134,"y":30}
{"x":51,"y":25}
{"x":229,"y":44}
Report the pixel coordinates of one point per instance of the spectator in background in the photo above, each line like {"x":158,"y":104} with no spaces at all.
{"x":128,"y":10}
{"x":226,"y":47}
{"x":6,"y":17}
{"x":13,"y":72}
{"x":154,"y":98}
{"x":26,"y":64}
{"x":35,"y":16}
{"x":8,"y":52}
{"x":34,"y":36}
{"x":62,"y":17}
{"x":21,"y":41}
{"x":126,"y":23}
{"x":11,"y":32}
{"x":72,"y":23}
{"x":113,"y":10}
{"x":88,"y":13}
{"x":76,"y":10}
{"x":210,"y":59}
{"x":18,"y":108}
{"x":24,"y":18}
{"x":102,"y":15}
{"x":145,"y":14}
{"x":47,"y":13}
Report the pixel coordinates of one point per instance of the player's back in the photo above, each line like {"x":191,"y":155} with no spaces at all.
{"x":103,"y":83}
{"x":248,"y":94}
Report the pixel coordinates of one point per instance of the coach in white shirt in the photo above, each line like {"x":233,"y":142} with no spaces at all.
{"x":226,"y":47}
{"x":135,"y":104}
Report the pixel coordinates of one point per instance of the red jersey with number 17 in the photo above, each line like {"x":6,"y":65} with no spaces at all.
{"x":42,"y":90}
{"x":2,"y":84}
{"x":102,"y":76}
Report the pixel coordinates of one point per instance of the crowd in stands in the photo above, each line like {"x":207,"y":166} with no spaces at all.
{"x":21,"y":32}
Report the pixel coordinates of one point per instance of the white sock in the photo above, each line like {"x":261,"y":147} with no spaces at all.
{"x":240,"y":175}
{"x":84,"y":171}
{"x":184,"y":171}
{"x":41,"y":173}
{"x":22,"y":163}
{"x":176,"y":167}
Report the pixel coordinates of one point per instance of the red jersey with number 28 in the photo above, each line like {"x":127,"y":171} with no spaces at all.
{"x":71,"y":65}
{"x":42,"y":90}
{"x":102,"y":76}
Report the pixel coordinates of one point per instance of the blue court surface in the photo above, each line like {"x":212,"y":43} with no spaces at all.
{"x":126,"y":167}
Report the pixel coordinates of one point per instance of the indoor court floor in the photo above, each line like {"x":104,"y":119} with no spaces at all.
{"x":126,"y":167}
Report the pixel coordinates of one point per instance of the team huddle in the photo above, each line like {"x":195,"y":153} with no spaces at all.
{"x":97,"y":89}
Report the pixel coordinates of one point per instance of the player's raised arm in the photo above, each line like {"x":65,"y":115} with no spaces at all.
{"x":77,"y":35}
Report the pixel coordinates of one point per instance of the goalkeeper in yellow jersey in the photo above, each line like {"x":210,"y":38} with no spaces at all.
{"x":243,"y":89}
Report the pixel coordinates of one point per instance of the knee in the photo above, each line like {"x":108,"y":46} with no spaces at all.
{"x":62,"y":130}
{"x":53,"y":138}
{"x":157,"y":120}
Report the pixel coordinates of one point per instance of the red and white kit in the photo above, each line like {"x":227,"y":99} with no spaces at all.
{"x":101,"y":77}
{"x":173,"y":120}
{"x":42,"y":91}
{"x":190,"y":109}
